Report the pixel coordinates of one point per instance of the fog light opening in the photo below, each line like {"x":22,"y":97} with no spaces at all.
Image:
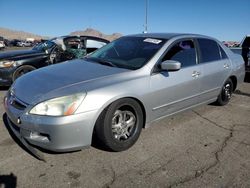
{"x":39,"y":136}
{"x":19,"y":121}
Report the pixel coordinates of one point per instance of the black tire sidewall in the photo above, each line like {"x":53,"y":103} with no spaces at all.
{"x":15,"y":74}
{"x":219,"y":100}
{"x":108,"y":137}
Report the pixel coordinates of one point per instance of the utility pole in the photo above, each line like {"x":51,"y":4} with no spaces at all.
{"x":146,"y":18}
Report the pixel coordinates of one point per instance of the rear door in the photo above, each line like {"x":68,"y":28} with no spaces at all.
{"x":176,"y":91}
{"x":215,"y":68}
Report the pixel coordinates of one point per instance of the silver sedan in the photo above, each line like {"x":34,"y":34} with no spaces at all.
{"x":121,"y":88}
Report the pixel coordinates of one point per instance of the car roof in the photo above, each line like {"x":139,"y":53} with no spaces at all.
{"x":167,"y":35}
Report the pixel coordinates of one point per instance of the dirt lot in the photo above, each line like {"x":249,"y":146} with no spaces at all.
{"x":206,"y":147}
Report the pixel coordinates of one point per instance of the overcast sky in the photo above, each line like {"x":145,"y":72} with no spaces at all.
{"x":223,"y":19}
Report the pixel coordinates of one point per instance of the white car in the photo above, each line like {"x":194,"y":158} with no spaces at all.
{"x":2,"y":45}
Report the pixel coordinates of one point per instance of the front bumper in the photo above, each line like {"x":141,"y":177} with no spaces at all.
{"x":59,"y":134}
{"x":6,"y":76}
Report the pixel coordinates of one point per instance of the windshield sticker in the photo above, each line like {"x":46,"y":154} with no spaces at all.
{"x":154,"y":41}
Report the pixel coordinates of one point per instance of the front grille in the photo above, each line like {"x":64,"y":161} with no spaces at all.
{"x":16,"y":104}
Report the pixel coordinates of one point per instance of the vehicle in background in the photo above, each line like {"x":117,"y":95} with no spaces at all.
{"x":14,"y":64}
{"x":119,"y":89}
{"x":13,"y":42}
{"x":243,"y":50}
{"x":6,"y":42}
{"x":2,"y":43}
{"x":20,"y":43}
{"x":24,"y":44}
{"x":231,"y":44}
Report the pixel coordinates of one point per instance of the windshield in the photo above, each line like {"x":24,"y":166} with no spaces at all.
{"x":44,"y":45}
{"x":127,"y":52}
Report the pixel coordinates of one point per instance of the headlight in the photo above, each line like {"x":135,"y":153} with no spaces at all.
{"x":7,"y":63}
{"x":62,"y":106}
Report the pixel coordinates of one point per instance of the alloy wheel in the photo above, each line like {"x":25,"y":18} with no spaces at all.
{"x":227,"y":92}
{"x":123,"y":124}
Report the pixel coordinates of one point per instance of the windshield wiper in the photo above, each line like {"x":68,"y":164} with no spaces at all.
{"x":101,"y":61}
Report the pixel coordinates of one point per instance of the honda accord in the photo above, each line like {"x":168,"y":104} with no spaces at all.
{"x":119,"y":89}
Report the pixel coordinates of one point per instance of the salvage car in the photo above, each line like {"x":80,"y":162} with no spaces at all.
{"x":119,"y":89}
{"x":14,"y":64}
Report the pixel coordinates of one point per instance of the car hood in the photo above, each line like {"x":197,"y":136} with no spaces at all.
{"x":19,"y":54}
{"x":59,"y":80}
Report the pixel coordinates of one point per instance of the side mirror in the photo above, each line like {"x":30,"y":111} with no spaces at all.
{"x":170,"y":65}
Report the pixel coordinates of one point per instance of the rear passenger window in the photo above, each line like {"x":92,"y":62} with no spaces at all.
{"x":223,"y":54}
{"x":184,"y":52}
{"x":209,"y":50}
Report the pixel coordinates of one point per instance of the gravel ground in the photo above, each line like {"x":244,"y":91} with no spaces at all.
{"x":208,"y":146}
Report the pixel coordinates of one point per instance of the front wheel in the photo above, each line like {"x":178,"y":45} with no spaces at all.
{"x":226,"y":93}
{"x":119,"y":125}
{"x":21,"y":71}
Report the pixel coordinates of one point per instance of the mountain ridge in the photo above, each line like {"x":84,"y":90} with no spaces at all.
{"x":22,"y":35}
{"x":17,"y":34}
{"x":96,"y":33}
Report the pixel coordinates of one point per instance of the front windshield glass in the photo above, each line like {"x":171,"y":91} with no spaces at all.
{"x":44,"y":46}
{"x":128,"y":52}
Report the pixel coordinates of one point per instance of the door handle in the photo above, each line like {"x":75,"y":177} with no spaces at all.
{"x":226,"y":66}
{"x":196,"y":74}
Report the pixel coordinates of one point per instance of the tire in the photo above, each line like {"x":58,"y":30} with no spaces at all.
{"x":21,"y":71}
{"x":119,"y":125}
{"x":226,"y":93}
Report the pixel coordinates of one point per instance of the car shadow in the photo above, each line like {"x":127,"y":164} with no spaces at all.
{"x":8,"y":181}
{"x":238,"y":92}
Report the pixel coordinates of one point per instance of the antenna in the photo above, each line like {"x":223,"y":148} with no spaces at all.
{"x":146,"y":17}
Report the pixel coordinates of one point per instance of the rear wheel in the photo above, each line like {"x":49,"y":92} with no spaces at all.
{"x":226,"y":93}
{"x":21,"y":71}
{"x":119,"y":126}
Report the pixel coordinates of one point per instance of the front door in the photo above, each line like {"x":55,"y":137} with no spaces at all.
{"x":176,"y":91}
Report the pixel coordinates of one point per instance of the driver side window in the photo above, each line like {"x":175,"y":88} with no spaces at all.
{"x":184,"y":52}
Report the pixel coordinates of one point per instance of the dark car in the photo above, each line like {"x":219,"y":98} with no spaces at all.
{"x":6,"y":42}
{"x":14,"y":64}
{"x":244,"y":50}
{"x":13,"y":42}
